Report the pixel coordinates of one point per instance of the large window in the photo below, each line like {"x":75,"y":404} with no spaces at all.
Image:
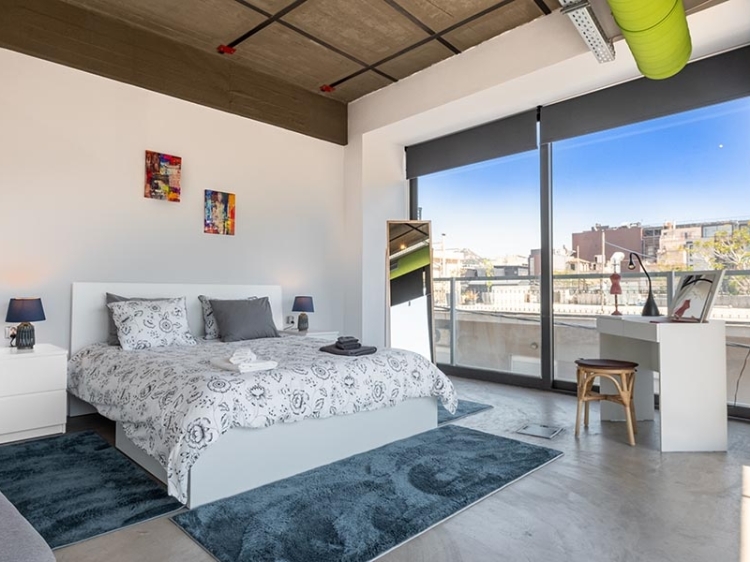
{"x":676,"y":191}
{"x":526,"y":246}
{"x":485,"y":224}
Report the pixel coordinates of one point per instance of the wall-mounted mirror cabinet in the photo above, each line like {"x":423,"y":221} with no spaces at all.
{"x":409,"y":260}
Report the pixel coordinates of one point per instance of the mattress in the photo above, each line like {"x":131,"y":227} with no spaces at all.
{"x":174,"y":402}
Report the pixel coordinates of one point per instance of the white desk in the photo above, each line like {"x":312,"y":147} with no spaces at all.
{"x":691,"y":362}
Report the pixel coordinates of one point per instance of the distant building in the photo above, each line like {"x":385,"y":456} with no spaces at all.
{"x":511,"y":270}
{"x":591,"y":245}
{"x":666,"y":246}
{"x":560,"y":262}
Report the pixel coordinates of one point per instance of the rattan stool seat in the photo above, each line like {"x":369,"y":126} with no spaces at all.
{"x":622,"y":375}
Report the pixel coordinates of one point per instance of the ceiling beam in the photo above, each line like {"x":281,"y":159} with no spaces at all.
{"x":69,"y":35}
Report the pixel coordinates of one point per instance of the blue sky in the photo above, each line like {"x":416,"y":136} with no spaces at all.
{"x":694,"y":166}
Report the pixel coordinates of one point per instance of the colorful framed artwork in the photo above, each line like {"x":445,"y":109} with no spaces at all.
{"x":163,"y":173}
{"x":218,"y":213}
{"x":695,"y":296}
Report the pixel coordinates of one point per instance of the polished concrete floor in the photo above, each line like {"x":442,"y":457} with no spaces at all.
{"x":603,"y":501}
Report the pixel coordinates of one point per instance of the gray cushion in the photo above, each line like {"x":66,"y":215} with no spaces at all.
{"x":244,"y":319}
{"x":112,"y":335}
{"x":210,"y":329}
{"x":19,"y":541}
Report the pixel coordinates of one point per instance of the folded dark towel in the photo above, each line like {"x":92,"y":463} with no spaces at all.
{"x":347,"y":339}
{"x":349,"y":345}
{"x":364,"y":350}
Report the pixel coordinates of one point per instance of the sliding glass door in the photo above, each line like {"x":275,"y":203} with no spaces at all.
{"x":486,"y":240}
{"x":675,"y":191}
{"x":530,"y":248}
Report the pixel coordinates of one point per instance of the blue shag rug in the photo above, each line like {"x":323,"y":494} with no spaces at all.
{"x":465,"y":408}
{"x":358,"y":508}
{"x":75,"y":486}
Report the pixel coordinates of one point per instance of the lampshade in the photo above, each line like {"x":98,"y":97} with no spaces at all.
{"x":303,"y":304}
{"x":25,"y":310}
{"x":657,"y":34}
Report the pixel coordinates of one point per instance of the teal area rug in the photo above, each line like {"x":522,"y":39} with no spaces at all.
{"x":465,"y":408}
{"x":355,"y":509}
{"x":76,"y":486}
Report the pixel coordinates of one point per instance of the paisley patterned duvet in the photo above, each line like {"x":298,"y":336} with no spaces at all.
{"x":173,"y":403}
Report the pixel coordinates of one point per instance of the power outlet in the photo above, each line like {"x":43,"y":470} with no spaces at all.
{"x":10,"y":331}
{"x":290,"y":320}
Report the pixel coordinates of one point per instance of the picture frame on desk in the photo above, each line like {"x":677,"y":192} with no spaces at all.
{"x":694,"y":298}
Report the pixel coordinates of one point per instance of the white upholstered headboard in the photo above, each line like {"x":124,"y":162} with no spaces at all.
{"x":88,"y":319}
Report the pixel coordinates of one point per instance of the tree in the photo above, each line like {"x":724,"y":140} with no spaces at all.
{"x":729,"y":251}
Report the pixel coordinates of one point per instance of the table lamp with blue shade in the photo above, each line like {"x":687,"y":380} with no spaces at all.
{"x":303,"y":305}
{"x":24,"y":311}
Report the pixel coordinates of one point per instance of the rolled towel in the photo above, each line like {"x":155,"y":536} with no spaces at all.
{"x":257,"y":366}
{"x":347,"y":339}
{"x":244,"y":355}
{"x":223,"y":363}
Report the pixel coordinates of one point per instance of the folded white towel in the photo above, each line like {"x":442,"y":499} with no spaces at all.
{"x":253,"y":366}
{"x":249,"y":367}
{"x":244,"y":355}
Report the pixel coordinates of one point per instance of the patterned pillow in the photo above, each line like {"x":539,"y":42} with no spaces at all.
{"x":210,"y":326}
{"x":147,"y":324}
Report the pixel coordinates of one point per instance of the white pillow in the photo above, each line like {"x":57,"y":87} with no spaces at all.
{"x":147,"y":324}
{"x":210,"y":327}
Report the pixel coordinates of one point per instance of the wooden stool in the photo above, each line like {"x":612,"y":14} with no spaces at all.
{"x":622,"y":375}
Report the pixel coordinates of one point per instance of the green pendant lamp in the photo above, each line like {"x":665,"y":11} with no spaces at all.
{"x":656,"y":32}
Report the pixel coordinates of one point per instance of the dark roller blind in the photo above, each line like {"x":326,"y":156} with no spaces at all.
{"x":509,"y":135}
{"x":717,"y":79}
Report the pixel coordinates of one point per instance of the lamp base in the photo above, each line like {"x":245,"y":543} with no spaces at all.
{"x":25,"y":338}
{"x":302,"y":322}
{"x":650,"y":308}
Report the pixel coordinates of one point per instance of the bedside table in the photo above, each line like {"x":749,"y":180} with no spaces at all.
{"x":328,"y":336}
{"x":33,"y":397}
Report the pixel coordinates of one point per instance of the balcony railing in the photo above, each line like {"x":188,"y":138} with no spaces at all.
{"x":493,"y":323}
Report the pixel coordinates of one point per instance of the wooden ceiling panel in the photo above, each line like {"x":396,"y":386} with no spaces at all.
{"x":66,"y":34}
{"x":358,"y":87}
{"x":493,"y":24}
{"x":205,"y":24}
{"x":366,"y":29}
{"x":440,"y":14}
{"x":321,"y":42}
{"x":270,"y":6}
{"x":415,"y":60}
{"x":281,"y":52}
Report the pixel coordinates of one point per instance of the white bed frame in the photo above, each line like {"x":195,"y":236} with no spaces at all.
{"x":243,"y":459}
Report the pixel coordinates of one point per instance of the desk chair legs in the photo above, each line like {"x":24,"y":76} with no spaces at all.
{"x":584,"y":388}
{"x":622,"y":377}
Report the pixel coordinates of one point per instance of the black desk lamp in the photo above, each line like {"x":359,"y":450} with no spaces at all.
{"x":650,"y":308}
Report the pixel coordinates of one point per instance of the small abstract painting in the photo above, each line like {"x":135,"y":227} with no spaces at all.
{"x":163,"y":176}
{"x":218,"y":213}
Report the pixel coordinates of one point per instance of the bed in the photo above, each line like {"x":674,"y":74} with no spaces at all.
{"x":209,"y":433}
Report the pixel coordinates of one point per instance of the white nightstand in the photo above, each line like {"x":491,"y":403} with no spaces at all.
{"x":328,"y":336}
{"x":33,"y":397}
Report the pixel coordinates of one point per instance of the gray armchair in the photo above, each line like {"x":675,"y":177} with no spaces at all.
{"x":19,"y":541}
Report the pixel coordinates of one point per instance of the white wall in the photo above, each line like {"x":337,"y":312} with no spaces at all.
{"x":72,"y":207}
{"x":539,"y":63}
